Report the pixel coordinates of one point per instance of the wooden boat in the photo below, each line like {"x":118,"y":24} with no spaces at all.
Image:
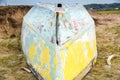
{"x":59,"y":41}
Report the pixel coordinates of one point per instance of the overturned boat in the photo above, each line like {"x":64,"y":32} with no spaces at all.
{"x":58,"y":41}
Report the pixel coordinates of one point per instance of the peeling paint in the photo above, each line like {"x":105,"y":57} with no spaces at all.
{"x":75,"y":33}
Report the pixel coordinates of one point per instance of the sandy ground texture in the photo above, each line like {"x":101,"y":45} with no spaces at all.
{"x":12,"y":60}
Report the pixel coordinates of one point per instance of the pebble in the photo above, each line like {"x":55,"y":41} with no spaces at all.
{"x":14,"y":62}
{"x":118,"y":71}
{"x":107,"y":67}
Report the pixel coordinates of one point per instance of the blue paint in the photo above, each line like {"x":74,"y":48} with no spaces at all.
{"x":45,"y":67}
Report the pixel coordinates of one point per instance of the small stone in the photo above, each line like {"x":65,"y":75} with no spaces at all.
{"x":14,"y":62}
{"x":107,"y":67}
{"x":118,"y":71}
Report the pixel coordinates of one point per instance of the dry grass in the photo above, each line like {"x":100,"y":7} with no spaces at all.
{"x":107,"y":46}
{"x":11,"y":62}
{"x":12,"y":59}
{"x":109,"y":12}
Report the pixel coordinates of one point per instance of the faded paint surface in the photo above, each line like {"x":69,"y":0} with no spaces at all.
{"x":75,"y":35}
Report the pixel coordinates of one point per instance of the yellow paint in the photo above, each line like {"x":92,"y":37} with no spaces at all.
{"x":43,"y":44}
{"x":66,"y":45}
{"x":32,"y":51}
{"x":57,"y":78}
{"x":90,"y":51}
{"x":45,"y":60}
{"x":73,"y":63}
{"x":55,"y":61}
{"x":76,"y":61}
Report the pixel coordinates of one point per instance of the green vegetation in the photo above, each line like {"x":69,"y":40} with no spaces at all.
{"x":114,"y":6}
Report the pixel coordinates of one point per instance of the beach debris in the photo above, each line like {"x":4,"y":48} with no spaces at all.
{"x":26,"y":69}
{"x":110,"y":58}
